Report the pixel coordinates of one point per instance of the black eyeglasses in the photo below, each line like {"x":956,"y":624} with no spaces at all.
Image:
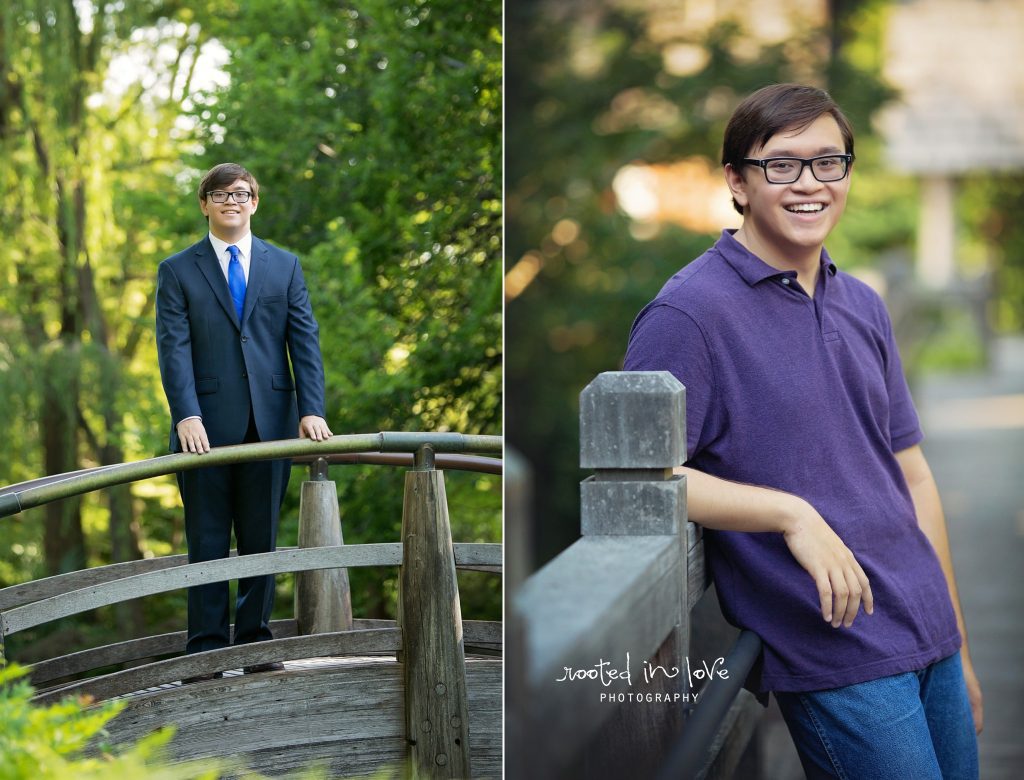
{"x":220,"y":196}
{"x":786,"y":170}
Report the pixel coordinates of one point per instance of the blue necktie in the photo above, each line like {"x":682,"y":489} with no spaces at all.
{"x":236,"y":281}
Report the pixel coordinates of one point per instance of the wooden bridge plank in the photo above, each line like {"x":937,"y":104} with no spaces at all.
{"x":289,"y":648}
{"x":82,"y":600}
{"x":477,"y":554}
{"x":478,"y":634}
{"x":348,"y":716}
{"x":298,"y":715}
{"x":27,"y":592}
{"x":474,"y":556}
{"x":123,"y":652}
{"x":483,"y":557}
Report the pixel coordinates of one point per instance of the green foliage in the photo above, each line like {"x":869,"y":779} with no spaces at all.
{"x":375,"y":132}
{"x":389,"y":190}
{"x":49,"y":742}
{"x":76,"y":284}
{"x":990,"y":206}
{"x":388,"y":187}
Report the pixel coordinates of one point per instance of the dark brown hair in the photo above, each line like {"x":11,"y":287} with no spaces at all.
{"x":771,"y":110}
{"x":224,"y":175}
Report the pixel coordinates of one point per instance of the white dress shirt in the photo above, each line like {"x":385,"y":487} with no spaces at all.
{"x":244,"y":245}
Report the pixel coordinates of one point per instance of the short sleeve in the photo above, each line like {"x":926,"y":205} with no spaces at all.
{"x":904,"y":425}
{"x":664,"y":338}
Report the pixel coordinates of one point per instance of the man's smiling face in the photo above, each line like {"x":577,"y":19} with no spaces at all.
{"x":787,"y":221}
{"x":230,"y":220}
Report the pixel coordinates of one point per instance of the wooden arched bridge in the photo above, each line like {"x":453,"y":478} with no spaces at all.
{"x":356,"y":695}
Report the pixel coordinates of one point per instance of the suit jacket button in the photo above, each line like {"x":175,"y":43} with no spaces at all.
{"x":245,"y":338}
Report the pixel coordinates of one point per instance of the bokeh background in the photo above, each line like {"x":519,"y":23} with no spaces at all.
{"x":615,"y":113}
{"x":374,"y":130}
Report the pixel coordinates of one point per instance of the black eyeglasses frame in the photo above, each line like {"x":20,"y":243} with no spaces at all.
{"x":229,"y":194}
{"x":804,"y":162}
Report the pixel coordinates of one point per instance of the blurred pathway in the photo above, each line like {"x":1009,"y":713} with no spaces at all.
{"x":974,"y":427}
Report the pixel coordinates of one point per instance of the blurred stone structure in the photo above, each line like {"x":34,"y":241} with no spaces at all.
{"x":958,"y":67}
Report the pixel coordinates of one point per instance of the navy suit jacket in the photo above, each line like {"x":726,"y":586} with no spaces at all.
{"x":218,"y":368}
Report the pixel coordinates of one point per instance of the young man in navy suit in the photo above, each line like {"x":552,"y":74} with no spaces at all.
{"x":240,"y":362}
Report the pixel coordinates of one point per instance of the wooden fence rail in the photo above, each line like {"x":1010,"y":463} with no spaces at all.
{"x":604,"y":624}
{"x":170,"y":579}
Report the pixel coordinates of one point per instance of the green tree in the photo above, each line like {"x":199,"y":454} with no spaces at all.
{"x":375,"y":133}
{"x":78,"y":373}
{"x":591,"y":91}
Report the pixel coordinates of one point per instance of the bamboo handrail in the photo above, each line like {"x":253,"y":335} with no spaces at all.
{"x":28,"y":495}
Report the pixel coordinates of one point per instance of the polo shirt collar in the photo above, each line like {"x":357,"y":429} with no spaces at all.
{"x":752,"y":268}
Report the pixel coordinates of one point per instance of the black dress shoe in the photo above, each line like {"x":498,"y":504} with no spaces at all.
{"x":273,"y":666}
{"x":202,"y":678}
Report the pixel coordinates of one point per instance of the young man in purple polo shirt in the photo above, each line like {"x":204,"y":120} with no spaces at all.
{"x":826,"y":534}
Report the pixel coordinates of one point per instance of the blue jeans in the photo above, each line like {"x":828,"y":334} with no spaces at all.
{"x":913,"y":725}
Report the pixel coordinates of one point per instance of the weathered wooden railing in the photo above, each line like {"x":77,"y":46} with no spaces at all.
{"x":606,"y":683}
{"x":429,"y":637}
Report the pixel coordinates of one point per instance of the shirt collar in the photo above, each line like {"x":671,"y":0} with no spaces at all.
{"x":244,"y":245}
{"x":751,"y":267}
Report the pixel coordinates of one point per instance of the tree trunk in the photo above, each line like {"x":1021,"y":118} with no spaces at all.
{"x":64,"y":540}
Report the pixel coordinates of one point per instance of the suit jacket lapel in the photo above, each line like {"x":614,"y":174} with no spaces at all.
{"x":207,"y":261}
{"x":258,"y":266}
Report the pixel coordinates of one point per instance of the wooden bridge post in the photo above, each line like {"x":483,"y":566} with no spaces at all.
{"x":433,"y":657}
{"x":633,"y":433}
{"x":323,"y":600}
{"x":518,"y":543}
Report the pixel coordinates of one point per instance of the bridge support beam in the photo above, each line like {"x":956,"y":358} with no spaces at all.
{"x":323,"y":600}
{"x":433,"y":653}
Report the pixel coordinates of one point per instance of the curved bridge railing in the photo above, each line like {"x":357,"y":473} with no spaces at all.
{"x":26,"y":495}
{"x":429,"y":637}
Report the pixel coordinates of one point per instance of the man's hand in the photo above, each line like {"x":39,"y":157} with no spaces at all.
{"x":313,"y":427}
{"x":731,"y":506}
{"x":841,"y":582}
{"x":932,"y":520}
{"x":192,"y":436}
{"x":973,"y":690}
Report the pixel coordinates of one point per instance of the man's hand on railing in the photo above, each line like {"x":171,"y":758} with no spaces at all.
{"x":192,"y":435}
{"x":731,"y":506}
{"x":842,"y":584}
{"x":313,"y":427}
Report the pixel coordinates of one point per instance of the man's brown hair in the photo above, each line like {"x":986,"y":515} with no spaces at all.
{"x":771,"y":110}
{"x":224,"y":175}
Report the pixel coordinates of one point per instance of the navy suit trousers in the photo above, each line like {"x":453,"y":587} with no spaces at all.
{"x":246,"y":497}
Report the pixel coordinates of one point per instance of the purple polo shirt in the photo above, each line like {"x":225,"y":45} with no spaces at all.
{"x":806,"y":395}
